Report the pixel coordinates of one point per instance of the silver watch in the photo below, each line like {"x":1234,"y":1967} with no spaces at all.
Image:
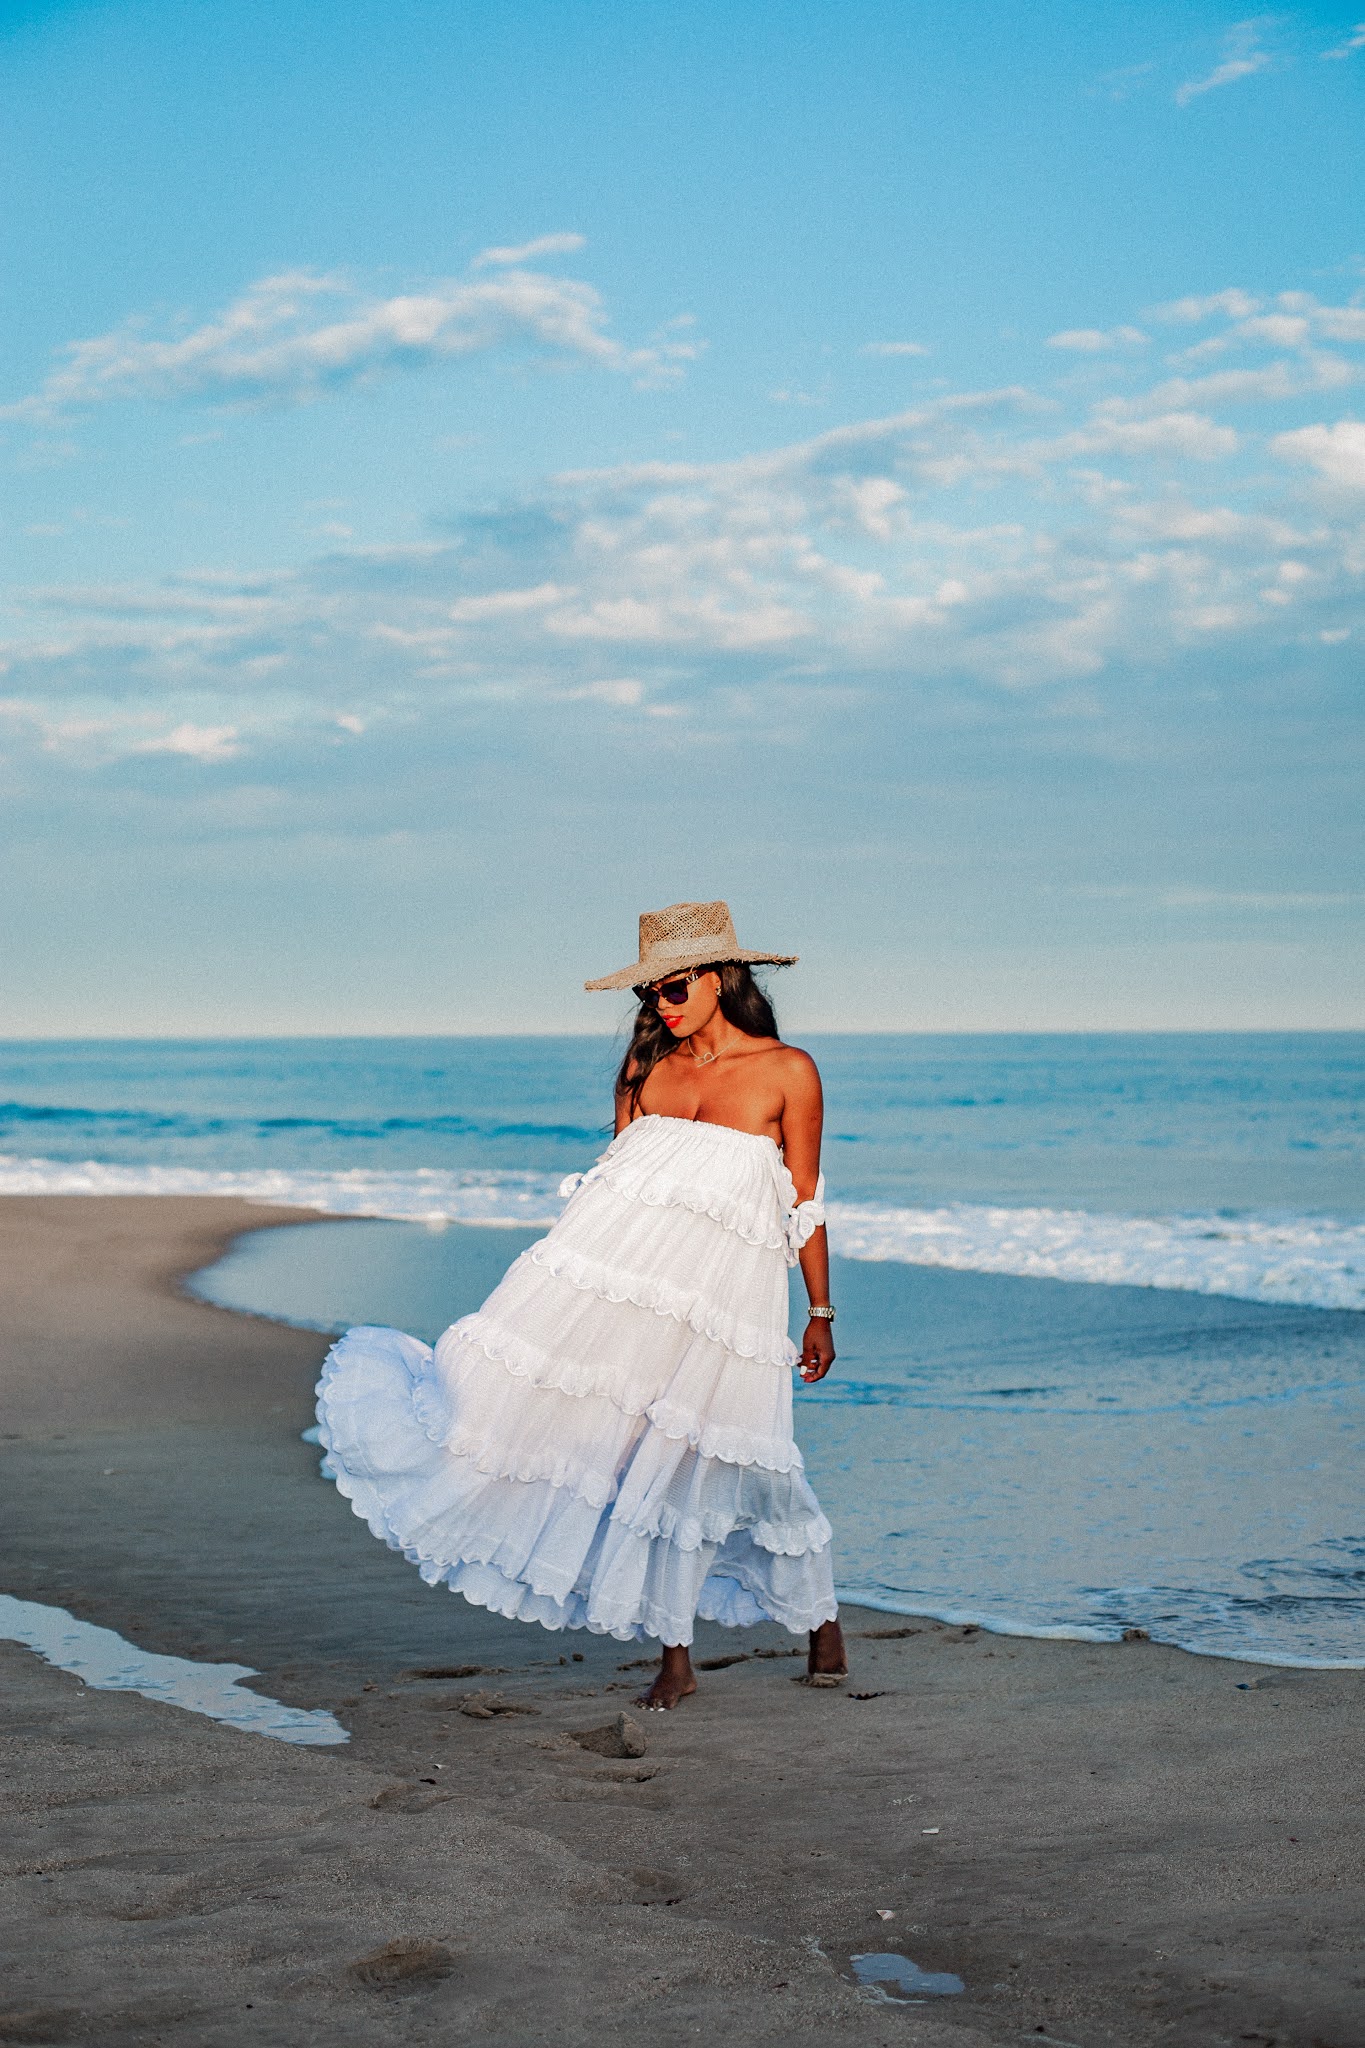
{"x":823,"y":1315}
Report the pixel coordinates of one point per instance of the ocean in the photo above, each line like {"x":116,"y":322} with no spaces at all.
{"x":1102,"y":1350}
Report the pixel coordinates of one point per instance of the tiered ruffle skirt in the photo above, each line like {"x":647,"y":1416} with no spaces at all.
{"x":607,"y":1443}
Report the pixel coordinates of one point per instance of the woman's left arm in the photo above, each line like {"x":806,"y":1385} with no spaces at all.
{"x":803,"y":1118}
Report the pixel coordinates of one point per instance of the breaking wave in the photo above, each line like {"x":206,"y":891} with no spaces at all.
{"x":1296,"y":1260}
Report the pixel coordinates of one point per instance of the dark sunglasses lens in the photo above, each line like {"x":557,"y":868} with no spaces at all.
{"x":667,"y":992}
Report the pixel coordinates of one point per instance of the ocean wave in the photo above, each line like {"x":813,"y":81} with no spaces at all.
{"x":1301,"y":1261}
{"x":143,"y":1123}
{"x":1294,"y":1260}
{"x":1203,"y":1623}
{"x":418,"y":1195}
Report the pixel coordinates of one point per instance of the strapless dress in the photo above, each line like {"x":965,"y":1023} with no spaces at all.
{"x":607,"y":1443}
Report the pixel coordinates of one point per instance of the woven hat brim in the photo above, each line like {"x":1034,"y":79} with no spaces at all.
{"x":700,"y":956}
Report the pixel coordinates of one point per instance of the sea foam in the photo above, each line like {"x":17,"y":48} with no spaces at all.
{"x":1306,"y":1261}
{"x":1301,"y":1261}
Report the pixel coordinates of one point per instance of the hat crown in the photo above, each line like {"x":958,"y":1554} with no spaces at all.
{"x":685,"y":935}
{"x":684,"y":926}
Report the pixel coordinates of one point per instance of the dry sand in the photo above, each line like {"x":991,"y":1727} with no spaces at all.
{"x":1129,"y":1846}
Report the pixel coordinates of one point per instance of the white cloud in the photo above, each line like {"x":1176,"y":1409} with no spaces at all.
{"x":527,"y":252}
{"x":894,"y":348}
{"x":1096,"y":341}
{"x":1260,"y":899}
{"x":1177,"y":897}
{"x":1188,"y":435}
{"x":1292,"y":320}
{"x":1243,"y":56}
{"x":196,"y":742}
{"x":1336,"y":452}
{"x":1340,"y":323}
{"x":1273,"y":384}
{"x":113,"y":735}
{"x":627,"y":691}
{"x":1350,"y":43}
{"x":1018,"y":539}
{"x":291,"y":337}
{"x":1236,"y":304}
{"x":1281,"y":330}
{"x":501,"y":604}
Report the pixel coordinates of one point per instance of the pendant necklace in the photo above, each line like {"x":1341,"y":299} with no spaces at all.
{"x":702,"y":1059}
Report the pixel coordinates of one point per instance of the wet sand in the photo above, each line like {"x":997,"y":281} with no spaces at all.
{"x":1130,"y":1845}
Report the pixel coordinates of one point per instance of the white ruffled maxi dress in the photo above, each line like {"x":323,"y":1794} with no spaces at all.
{"x":607,"y":1443}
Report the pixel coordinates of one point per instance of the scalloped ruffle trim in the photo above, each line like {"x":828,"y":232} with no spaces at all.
{"x":596,"y":1489}
{"x":431,"y":1410}
{"x":663,"y":1187}
{"x":666,"y":1191}
{"x":684,"y":1305}
{"x":728,"y":1442}
{"x":724,"y":1597}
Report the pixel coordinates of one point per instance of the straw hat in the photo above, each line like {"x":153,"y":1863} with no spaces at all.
{"x":685,"y":935}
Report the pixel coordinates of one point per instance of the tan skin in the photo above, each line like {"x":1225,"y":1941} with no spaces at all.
{"x":720,"y":1075}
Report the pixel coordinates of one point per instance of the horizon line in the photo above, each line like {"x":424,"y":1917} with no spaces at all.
{"x":604,"y":1037}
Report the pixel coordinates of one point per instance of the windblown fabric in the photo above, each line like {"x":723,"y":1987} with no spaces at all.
{"x":607,"y":1443}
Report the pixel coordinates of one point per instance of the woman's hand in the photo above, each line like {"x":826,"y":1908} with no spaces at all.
{"x":817,"y":1350}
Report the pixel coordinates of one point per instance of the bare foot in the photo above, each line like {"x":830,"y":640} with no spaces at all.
{"x":827,"y":1657}
{"x":675,"y":1681}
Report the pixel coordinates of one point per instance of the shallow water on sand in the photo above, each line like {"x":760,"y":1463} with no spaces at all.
{"x":1031,"y":1455}
{"x":106,"y":1662}
{"x":895,"y":1980}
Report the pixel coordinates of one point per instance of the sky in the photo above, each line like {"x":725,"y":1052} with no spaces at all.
{"x":474,"y":472}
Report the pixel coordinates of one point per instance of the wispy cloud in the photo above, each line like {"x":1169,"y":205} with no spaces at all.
{"x":528,"y":252}
{"x":196,"y":743}
{"x":1349,"y":44}
{"x":294,"y":336}
{"x":1233,"y":303}
{"x":1096,"y":341}
{"x":1243,"y":56}
{"x":893,"y":348}
{"x":1291,"y":320}
{"x":1122,"y":84}
{"x":1010,"y":541}
{"x":105,"y":735}
{"x":1183,"y":897}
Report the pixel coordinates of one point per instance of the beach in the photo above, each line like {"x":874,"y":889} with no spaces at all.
{"x":1105,"y":1843}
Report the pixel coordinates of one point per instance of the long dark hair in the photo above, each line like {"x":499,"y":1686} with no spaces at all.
{"x":742,"y":1003}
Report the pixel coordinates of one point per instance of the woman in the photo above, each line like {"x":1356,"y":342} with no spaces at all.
{"x":607,"y":1442}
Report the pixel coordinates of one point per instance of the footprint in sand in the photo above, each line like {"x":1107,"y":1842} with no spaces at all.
{"x":407,"y":1964}
{"x":417,"y":1798}
{"x":487,"y":1706}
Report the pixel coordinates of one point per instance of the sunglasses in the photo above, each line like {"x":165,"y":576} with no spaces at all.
{"x":651,"y":994}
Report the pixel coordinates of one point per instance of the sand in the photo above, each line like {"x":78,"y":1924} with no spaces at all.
{"x":1108,"y":1844}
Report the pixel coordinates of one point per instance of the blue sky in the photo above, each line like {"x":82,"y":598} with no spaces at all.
{"x":475,"y":471}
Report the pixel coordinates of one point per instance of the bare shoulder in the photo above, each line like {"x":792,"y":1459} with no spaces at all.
{"x":799,"y":1071}
{"x":798,"y":1061}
